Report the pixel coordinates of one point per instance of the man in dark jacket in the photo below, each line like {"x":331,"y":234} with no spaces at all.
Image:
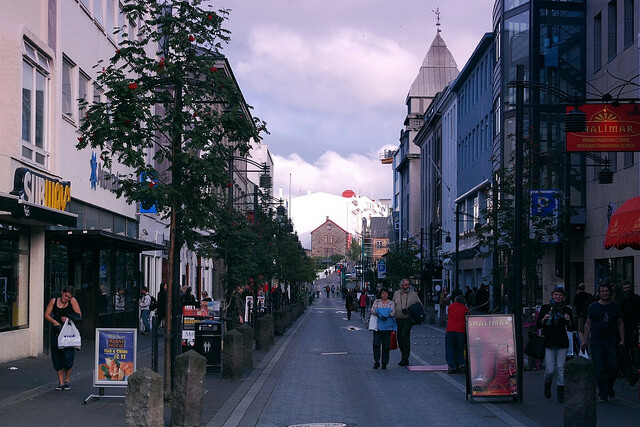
{"x":482,"y":299}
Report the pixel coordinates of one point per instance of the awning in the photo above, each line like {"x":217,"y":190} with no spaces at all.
{"x":624,"y":226}
{"x":105,"y":239}
{"x":32,"y":213}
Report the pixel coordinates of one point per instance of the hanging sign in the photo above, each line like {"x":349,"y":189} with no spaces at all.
{"x":609,"y":128}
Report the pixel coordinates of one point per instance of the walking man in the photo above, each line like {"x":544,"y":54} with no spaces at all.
{"x":145,"y":303}
{"x":403,"y":299}
{"x":604,"y":330}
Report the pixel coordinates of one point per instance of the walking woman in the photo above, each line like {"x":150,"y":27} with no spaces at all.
{"x":349,"y":304}
{"x":385,"y":311}
{"x":555,"y":321}
{"x":57,"y":312}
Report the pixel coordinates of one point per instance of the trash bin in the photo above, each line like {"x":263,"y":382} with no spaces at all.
{"x":209,"y":342}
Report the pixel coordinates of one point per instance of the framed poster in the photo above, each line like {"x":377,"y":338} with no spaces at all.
{"x":115,"y":357}
{"x":491,"y":356}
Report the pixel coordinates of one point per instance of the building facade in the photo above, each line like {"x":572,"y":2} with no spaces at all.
{"x":329,"y":239}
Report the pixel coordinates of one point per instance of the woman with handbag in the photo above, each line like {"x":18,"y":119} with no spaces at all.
{"x":384,"y":312}
{"x":555,"y":320}
{"x":57,"y":312}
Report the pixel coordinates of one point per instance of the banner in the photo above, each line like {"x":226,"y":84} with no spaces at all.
{"x":115,"y":357}
{"x":491,"y":356}
{"x":609,"y":128}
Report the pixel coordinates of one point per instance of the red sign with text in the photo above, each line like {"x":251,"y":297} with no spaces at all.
{"x":608,"y":129}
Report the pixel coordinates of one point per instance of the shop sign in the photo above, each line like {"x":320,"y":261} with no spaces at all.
{"x":608,"y":129}
{"x":491,"y":356}
{"x":101,"y":177}
{"x":115,"y":356}
{"x":41,"y":190}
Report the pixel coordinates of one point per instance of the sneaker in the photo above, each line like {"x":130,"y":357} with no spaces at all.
{"x":66,"y":386}
{"x":60,"y":387}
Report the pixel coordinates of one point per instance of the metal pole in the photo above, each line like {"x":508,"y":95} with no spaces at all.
{"x":517,"y":255}
{"x":566,"y":238}
{"x":422,"y":281}
{"x":457,"y":281}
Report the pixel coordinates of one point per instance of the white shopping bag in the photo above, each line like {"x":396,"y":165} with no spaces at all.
{"x":69,"y":336}
{"x":373,"y":323}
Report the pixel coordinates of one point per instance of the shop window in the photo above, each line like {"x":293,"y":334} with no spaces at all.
{"x":35,"y":99}
{"x":616,"y":269}
{"x":14,"y":277}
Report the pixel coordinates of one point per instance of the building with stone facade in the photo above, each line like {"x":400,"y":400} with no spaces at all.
{"x":329,"y":239}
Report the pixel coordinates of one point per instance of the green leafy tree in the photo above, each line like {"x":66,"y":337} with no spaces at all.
{"x":496,"y":232}
{"x":355,"y":251}
{"x":401,"y":262}
{"x":170,"y":102}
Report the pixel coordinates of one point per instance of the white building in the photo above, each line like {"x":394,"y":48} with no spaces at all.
{"x":347,"y":211}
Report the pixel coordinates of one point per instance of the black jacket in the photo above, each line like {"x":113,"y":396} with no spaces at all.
{"x":555,"y":332}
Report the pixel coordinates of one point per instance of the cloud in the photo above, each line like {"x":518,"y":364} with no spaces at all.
{"x":341,"y":71}
{"x":333,"y":173}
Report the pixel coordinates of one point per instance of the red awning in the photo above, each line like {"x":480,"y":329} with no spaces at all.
{"x":624,"y":226}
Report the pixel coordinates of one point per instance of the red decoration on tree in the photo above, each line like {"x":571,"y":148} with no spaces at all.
{"x":80,"y":139}
{"x":117,"y":50}
{"x":229,"y":184}
{"x":127,"y":121}
{"x":195,"y":114}
{"x":152,"y":184}
{"x":133,"y":86}
{"x":213,"y":69}
{"x":161,"y":63}
{"x":191,"y":38}
{"x":210,"y":17}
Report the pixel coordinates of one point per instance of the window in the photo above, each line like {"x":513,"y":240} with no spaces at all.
{"x":597,"y":42}
{"x":612,"y":29}
{"x":98,"y":15}
{"x":14,"y":277}
{"x":67,"y":93}
{"x":326,"y":238}
{"x":628,"y":159}
{"x":629,"y":23}
{"x":35,"y":98}
{"x":121,"y":23}
{"x":109,"y":18}
{"x":97,"y":94}
{"x":83,"y":90}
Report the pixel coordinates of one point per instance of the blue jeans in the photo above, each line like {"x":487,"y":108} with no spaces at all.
{"x":606,"y":359}
{"x":454,"y":349}
{"x":554,"y":359}
{"x":144,"y":314}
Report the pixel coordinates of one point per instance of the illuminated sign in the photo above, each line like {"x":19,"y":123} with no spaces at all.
{"x":41,"y":190}
{"x":608,"y":129}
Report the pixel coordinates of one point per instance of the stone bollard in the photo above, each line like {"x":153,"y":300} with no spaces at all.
{"x":288,"y":321}
{"x":188,"y":389}
{"x":232,"y":357}
{"x":247,"y":345}
{"x":278,"y":322}
{"x":144,"y":404}
{"x":264,"y":332}
{"x":580,"y":393}
{"x":443,"y":315}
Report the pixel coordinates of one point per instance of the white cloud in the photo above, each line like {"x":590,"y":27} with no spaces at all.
{"x":333,"y":173}
{"x":343,"y":71}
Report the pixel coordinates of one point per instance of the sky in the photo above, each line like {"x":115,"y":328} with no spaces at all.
{"x":330,"y":79}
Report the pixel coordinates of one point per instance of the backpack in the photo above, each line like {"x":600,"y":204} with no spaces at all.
{"x":154,"y":304}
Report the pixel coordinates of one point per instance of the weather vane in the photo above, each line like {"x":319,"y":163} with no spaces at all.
{"x":437,"y":12}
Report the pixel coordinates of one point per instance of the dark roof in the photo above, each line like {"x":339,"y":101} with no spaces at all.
{"x":379,"y":228}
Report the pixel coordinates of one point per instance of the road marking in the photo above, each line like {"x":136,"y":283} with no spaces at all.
{"x":333,"y":353}
{"x":508,"y":419}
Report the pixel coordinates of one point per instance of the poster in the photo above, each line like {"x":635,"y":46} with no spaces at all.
{"x":115,"y":357}
{"x":491,"y":355}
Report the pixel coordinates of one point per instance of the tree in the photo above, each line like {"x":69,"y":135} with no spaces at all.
{"x":496,"y":233}
{"x":355,"y":251}
{"x":173,"y":66}
{"x":401,"y":261}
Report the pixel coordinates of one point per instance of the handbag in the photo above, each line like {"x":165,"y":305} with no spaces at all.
{"x":372,"y":323}
{"x":535,"y":346}
{"x":69,"y":336}
{"x":394,"y":340}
